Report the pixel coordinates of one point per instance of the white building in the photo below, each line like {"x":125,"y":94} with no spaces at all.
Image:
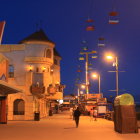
{"x":33,"y":65}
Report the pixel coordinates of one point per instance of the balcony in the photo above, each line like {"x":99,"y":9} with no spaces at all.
{"x":38,"y":60}
{"x":37,"y":90}
{"x":51,"y":90}
{"x":59,"y":88}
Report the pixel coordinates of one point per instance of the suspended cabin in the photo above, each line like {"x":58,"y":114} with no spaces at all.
{"x":85,"y":48}
{"x":81,"y":58}
{"x":89,"y":20}
{"x":90,"y":26}
{"x":79,"y":70}
{"x":94,"y":56}
{"x":101,"y":42}
{"x":113,"y":17}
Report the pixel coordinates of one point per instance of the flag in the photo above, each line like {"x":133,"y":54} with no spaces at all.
{"x":2,"y":24}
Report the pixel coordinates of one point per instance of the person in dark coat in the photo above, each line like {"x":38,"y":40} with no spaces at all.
{"x":77,"y":114}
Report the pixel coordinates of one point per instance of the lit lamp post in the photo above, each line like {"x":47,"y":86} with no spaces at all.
{"x":83,"y":87}
{"x":95,"y":75}
{"x":86,"y":68}
{"x":116,"y":64}
{"x":80,"y":86}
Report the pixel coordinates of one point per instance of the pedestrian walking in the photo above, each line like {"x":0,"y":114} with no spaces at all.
{"x":77,"y":114}
{"x":95,"y":114}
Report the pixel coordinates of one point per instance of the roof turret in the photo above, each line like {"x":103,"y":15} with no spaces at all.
{"x":37,"y":36}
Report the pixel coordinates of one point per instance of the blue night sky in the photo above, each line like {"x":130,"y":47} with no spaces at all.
{"x":64,"y":23}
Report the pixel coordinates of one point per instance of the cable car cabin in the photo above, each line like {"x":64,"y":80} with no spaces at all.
{"x":90,"y":28}
{"x":113,"y":17}
{"x":113,"y":13}
{"x":81,"y":58}
{"x":113,"y":21}
{"x":85,"y":48}
{"x":79,"y":70}
{"x":94,"y":56}
{"x":89,"y":20}
{"x":101,"y":42}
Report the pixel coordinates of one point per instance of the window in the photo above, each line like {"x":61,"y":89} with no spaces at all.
{"x":11,"y":71}
{"x":48,"y":53}
{"x":37,"y":79}
{"x":19,"y":107}
{"x":37,"y":69}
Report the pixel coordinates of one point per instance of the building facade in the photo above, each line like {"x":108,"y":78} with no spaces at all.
{"x":33,"y":66}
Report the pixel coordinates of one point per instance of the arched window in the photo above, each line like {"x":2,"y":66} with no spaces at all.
{"x":48,"y":53}
{"x":19,"y":107}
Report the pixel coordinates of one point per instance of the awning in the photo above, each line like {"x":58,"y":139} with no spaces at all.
{"x":6,"y":89}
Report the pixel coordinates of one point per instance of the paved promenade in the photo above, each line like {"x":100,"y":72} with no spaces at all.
{"x":61,"y":127}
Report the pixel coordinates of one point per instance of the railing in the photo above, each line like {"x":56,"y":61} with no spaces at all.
{"x":37,"y":90}
{"x":38,"y":59}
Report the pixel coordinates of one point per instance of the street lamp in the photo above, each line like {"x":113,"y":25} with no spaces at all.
{"x":116,"y":64}
{"x":95,"y":75}
{"x":80,"y":86}
{"x":83,"y":86}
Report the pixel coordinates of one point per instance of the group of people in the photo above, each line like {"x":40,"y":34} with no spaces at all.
{"x":75,"y":114}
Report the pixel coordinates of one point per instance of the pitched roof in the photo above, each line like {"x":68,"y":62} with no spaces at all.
{"x":37,"y":36}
